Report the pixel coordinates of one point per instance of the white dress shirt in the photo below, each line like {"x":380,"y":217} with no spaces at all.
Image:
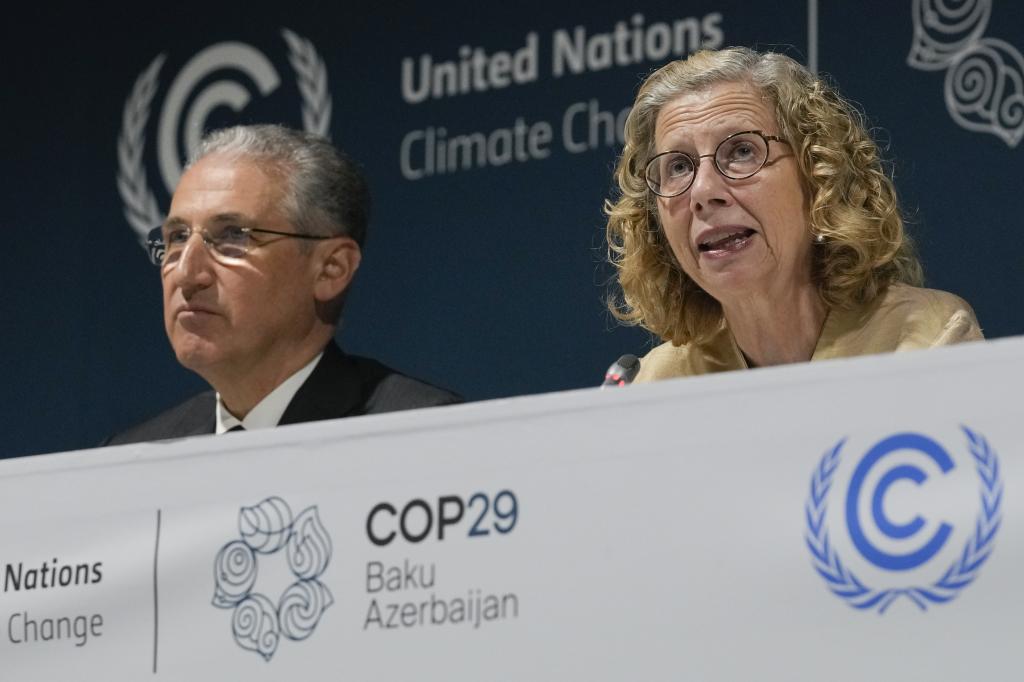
{"x":267,"y":412}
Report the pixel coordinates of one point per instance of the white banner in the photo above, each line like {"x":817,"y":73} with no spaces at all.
{"x":846,"y":520}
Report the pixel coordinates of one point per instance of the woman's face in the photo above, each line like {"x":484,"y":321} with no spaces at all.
{"x":737,"y":239}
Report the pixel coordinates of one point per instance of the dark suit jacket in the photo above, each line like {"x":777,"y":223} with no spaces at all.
{"x":340,"y":386}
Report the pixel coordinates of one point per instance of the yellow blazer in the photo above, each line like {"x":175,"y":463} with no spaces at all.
{"x":902,"y":318}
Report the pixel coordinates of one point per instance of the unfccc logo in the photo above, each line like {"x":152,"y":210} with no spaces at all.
{"x":901,"y":548}
{"x":183,"y":118}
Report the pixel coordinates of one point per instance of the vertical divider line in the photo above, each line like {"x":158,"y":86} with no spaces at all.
{"x":812,"y":36}
{"x":156,"y":605}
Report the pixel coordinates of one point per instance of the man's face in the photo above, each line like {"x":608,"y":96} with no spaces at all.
{"x":226,"y":320}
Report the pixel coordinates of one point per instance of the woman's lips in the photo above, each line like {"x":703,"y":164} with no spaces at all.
{"x":725,"y":242}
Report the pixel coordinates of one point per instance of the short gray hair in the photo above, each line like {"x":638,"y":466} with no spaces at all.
{"x":326,"y":192}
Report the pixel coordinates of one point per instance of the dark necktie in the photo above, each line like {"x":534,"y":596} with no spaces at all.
{"x":239,"y":427}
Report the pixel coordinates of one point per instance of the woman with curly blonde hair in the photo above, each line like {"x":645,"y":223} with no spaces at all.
{"x":755,"y":224}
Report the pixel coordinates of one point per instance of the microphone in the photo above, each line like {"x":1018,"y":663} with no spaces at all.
{"x":622,"y":371}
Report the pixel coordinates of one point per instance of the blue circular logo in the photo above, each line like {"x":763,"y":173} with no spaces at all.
{"x":841,"y":580}
{"x":895,"y":562}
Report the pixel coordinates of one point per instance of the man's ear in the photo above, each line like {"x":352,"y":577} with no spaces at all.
{"x":335,"y":263}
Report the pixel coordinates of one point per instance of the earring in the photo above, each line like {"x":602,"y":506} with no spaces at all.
{"x":819,"y":238}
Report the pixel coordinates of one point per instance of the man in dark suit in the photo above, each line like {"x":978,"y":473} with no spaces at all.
{"x":263,"y":238}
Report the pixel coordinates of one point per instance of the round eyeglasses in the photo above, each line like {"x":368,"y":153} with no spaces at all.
{"x":737,"y":157}
{"x":226,"y":242}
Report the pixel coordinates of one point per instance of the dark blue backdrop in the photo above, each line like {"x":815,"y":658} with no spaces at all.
{"x":488,"y":280}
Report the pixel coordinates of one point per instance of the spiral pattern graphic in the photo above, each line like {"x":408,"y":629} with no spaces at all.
{"x":985,"y":90}
{"x":254,"y":624}
{"x":944,"y":28}
{"x":266,"y":526}
{"x":234,"y":573}
{"x":1011,"y":112}
{"x":301,"y":606}
{"x":309,"y":548}
{"x":973,"y":82}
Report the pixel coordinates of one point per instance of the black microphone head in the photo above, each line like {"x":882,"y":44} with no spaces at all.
{"x":622,"y":371}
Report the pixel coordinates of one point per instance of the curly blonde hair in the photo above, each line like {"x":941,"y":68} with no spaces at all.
{"x":853,"y":203}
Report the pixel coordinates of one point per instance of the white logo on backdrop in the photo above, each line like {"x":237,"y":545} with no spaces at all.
{"x":183,"y":117}
{"x":984,"y":76}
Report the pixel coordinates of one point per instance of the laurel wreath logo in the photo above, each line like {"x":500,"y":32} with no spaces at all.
{"x":312,"y":81}
{"x":140,"y":209}
{"x":961,"y":573}
{"x":140,"y":205}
